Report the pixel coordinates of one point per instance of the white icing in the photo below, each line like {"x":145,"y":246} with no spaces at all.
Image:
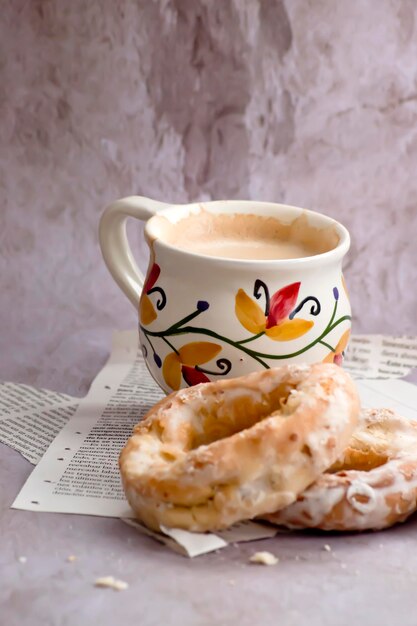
{"x":361,"y":489}
{"x":319,"y":500}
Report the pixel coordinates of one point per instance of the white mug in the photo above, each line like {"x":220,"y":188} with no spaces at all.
{"x":203,"y":318}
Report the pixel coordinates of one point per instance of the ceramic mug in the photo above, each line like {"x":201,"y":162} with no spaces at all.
{"x":204,"y":318}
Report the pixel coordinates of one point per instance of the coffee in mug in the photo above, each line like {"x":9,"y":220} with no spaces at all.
{"x":247,"y":236}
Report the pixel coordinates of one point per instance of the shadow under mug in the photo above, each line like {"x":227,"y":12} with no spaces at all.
{"x":203,"y":318}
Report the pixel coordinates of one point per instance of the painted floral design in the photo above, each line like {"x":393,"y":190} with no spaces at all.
{"x":276,"y":321}
{"x":186,"y":361}
{"x":147,"y":312}
{"x":336,"y":355}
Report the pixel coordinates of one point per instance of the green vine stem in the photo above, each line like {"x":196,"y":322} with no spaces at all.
{"x":173,"y":348}
{"x":178,"y":329}
{"x":327,"y":345}
{"x":250,"y":338}
{"x":150,"y":342}
{"x":184,"y":320}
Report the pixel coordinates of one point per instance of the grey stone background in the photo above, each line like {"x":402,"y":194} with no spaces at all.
{"x":306,"y":103}
{"x":311,"y":103}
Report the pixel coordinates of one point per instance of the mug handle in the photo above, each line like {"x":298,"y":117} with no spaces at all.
{"x":115,"y":246}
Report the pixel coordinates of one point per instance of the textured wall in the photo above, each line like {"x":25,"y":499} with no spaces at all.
{"x":308,"y":103}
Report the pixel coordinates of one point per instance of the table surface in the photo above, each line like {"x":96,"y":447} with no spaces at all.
{"x":369,"y":577}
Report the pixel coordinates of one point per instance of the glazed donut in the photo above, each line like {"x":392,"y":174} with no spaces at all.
{"x":373,"y":486}
{"x":211,"y":455}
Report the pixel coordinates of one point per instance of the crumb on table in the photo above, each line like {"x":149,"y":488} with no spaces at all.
{"x":111,"y":583}
{"x":264,"y":558}
{"x":71,"y":558}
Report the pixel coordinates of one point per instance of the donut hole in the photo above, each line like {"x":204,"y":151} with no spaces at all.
{"x":359,"y":460}
{"x":369,"y":447}
{"x":228,"y":413}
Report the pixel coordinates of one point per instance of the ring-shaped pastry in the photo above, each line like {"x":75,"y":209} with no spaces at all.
{"x":373,"y":486}
{"x":217,"y":453}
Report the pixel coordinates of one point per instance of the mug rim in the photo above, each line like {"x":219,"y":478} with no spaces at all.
{"x":183,"y":210}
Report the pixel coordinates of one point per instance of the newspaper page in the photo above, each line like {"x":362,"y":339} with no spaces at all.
{"x":31,"y":418}
{"x":79,"y":473}
{"x":379,"y":356}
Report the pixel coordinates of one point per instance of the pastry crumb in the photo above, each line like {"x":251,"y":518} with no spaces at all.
{"x":264,"y":558}
{"x":111,"y":583}
{"x":327,"y":548}
{"x":22,"y":559}
{"x":232,"y":582}
{"x":71,"y":558}
{"x":343,"y":565}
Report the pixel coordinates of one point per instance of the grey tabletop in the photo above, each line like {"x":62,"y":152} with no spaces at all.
{"x":369,"y":577}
